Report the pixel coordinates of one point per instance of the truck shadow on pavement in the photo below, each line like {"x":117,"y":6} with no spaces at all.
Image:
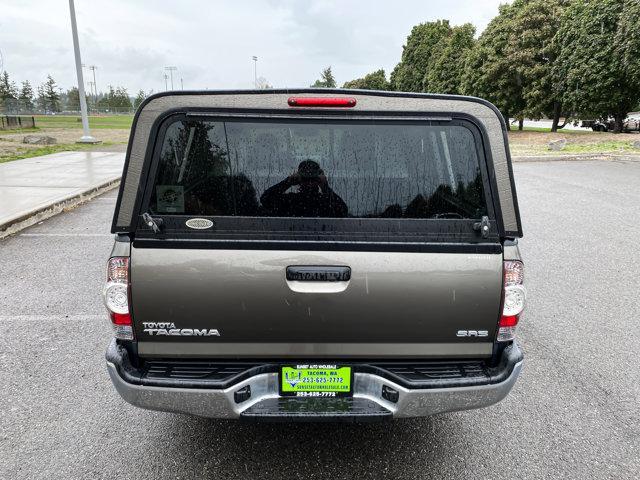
{"x":285,"y":450}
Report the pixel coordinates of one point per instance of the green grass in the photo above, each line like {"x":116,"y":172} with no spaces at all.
{"x":72,"y":121}
{"x":48,"y":149}
{"x":548,"y":130}
{"x":613,"y":146}
{"x":19,"y":130}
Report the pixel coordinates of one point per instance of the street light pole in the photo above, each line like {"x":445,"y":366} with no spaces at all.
{"x":86,"y":135}
{"x":171,"y":70}
{"x":166,"y":77}
{"x":93,"y":68}
{"x":255,"y":71}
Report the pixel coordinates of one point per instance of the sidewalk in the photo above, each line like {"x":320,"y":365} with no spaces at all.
{"x":39,"y":184}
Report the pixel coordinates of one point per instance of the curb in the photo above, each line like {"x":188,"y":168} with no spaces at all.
{"x":575,"y":158}
{"x":42,"y":213}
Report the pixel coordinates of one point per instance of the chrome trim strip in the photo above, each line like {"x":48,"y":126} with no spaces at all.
{"x":150,"y":349}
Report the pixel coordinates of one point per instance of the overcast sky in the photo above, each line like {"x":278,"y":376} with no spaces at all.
{"x":212,"y":42}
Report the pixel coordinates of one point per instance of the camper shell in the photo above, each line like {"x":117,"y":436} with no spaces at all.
{"x":396,"y":278}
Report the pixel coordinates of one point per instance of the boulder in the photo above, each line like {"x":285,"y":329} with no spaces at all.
{"x":557,"y":145}
{"x":39,"y":140}
{"x":636,"y":144}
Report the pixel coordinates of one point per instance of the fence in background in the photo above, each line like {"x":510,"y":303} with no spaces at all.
{"x":10,"y":122}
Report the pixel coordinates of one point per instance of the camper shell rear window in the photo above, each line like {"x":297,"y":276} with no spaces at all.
{"x":309,"y":179}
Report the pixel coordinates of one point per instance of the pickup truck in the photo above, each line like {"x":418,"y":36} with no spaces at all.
{"x":315,"y":255}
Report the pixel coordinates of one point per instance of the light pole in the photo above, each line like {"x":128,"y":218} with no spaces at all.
{"x":166,"y":77}
{"x":93,"y":90}
{"x":86,"y":135}
{"x":93,"y":69}
{"x":171,"y":70}
{"x":255,"y":71}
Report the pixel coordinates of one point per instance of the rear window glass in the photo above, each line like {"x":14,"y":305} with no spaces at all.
{"x":318,"y":170}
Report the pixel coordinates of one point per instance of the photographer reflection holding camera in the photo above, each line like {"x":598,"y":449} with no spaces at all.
{"x":314,"y":197}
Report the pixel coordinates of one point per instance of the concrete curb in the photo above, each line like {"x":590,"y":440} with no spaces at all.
{"x":575,"y":158}
{"x":42,"y":213}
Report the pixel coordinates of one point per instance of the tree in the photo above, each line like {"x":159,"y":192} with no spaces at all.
{"x":409,"y":74}
{"x":489,"y":72}
{"x":263,"y":84}
{"x":73,"y":99}
{"x":140,"y":97}
{"x":51,"y":95}
{"x":628,"y":45}
{"x":448,"y":60}
{"x":8,"y":92}
{"x":532,"y":51}
{"x":116,"y":99}
{"x":372,"y":81}
{"x":41,"y":100}
{"x":326,"y":79}
{"x":26,"y":96}
{"x":593,"y":66}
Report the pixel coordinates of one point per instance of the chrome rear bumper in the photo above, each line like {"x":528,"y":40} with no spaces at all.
{"x":221,"y":403}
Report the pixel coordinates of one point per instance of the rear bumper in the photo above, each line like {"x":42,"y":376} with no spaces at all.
{"x":264,"y":403}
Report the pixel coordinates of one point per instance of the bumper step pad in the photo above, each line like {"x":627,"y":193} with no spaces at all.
{"x":345,"y":409}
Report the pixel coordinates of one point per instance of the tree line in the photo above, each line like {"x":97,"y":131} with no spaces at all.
{"x":49,"y":98}
{"x":558,"y":59}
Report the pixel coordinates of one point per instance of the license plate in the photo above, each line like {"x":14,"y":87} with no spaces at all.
{"x":315,"y":380}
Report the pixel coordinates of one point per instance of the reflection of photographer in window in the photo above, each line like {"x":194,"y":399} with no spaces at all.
{"x":314,"y":197}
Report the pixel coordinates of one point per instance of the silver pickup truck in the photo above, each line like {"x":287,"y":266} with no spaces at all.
{"x":307,"y":255}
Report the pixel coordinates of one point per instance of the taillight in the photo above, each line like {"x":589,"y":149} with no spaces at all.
{"x":345,"y":102}
{"x":116,"y":297}
{"x":515,"y":296}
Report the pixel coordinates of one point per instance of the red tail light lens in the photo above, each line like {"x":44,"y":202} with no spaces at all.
{"x":344,"y":102}
{"x":515,"y":296}
{"x":116,"y":297}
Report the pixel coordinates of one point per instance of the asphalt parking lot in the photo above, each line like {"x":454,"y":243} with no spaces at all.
{"x":575,"y":412}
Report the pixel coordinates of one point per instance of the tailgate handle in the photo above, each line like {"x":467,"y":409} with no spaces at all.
{"x":318,"y":274}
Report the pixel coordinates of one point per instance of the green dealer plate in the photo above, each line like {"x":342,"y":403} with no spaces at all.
{"x":315,"y":380}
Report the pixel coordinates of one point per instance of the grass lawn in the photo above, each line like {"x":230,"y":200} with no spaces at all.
{"x":72,"y":121}
{"x":66,"y":129}
{"x":46,"y":150}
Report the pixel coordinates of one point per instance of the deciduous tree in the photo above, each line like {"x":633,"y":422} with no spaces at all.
{"x":372,"y":81}
{"x":448,"y":58}
{"x":532,"y":51}
{"x":409,"y":74}
{"x":596,"y":59}
{"x":489,"y":72}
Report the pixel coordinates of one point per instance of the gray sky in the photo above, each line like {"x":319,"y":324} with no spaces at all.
{"x":211,"y":42}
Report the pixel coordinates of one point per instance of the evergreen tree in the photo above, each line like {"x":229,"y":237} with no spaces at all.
{"x":73,"y":99}
{"x":139,"y":99}
{"x":51,"y":95}
{"x":326,"y":79}
{"x":26,"y":96}
{"x":41,"y":100}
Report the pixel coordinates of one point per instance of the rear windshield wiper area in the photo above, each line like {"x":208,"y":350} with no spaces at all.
{"x":155,"y":224}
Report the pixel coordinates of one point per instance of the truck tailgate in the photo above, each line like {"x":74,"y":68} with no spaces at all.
{"x":214,"y":303}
